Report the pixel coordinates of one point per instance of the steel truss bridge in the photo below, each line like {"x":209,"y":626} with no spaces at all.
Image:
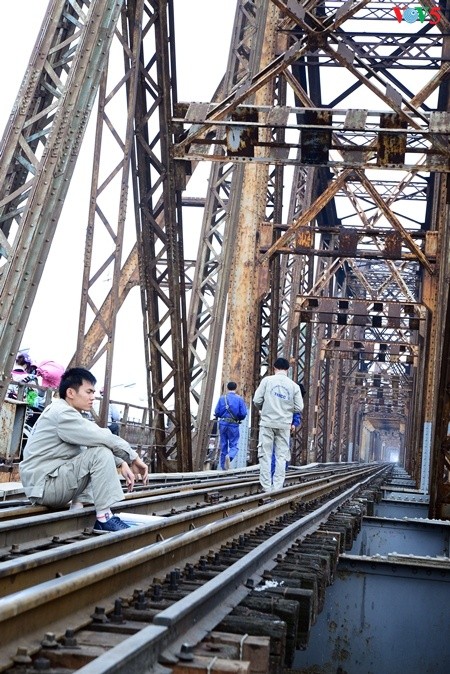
{"x":324,"y":231}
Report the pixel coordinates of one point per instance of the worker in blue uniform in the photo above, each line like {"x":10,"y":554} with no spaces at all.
{"x":230,"y":411}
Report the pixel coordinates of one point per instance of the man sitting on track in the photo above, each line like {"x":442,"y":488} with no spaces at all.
{"x":68,"y":459}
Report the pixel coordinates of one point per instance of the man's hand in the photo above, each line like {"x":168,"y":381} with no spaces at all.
{"x":130,"y":472}
{"x":140,"y":468}
{"x":128,"y":475}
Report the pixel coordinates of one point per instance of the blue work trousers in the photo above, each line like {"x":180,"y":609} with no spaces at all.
{"x":229,"y":438}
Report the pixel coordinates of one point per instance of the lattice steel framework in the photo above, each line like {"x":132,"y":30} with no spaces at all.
{"x":39,"y":149}
{"x":318,"y":97}
{"x":208,"y":303}
{"x":401,"y":244}
{"x":146,"y":93}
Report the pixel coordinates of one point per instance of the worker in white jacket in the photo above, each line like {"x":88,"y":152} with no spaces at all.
{"x":278,"y":398}
{"x":69,"y":459}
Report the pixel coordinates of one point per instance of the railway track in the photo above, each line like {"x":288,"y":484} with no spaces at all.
{"x":183,"y":494}
{"x":24,"y":529}
{"x":128,"y":588}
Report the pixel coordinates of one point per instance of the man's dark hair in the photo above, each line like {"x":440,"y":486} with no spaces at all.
{"x":74,"y":378}
{"x":281,"y":364}
{"x":231,"y":386}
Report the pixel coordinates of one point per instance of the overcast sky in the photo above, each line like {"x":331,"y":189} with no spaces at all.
{"x":52,"y":327}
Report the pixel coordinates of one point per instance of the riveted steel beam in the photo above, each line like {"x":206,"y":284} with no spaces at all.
{"x":218,"y":236}
{"x":48,"y":169}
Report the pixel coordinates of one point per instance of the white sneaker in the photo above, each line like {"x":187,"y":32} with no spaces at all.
{"x":227,"y":463}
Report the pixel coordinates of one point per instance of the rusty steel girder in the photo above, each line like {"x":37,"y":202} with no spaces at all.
{"x":39,"y":150}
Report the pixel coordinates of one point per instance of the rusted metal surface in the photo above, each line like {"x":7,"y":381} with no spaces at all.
{"x":315,"y":143}
{"x":76,"y":595}
{"x":12,"y":419}
{"x":37,"y":548}
{"x":396,"y":224}
{"x":249,"y":211}
{"x":440,"y":442}
{"x":217,"y":242}
{"x":370,"y":228}
{"x":101,"y":324}
{"x":309,"y":214}
{"x":165,"y":312}
{"x":46,"y":180}
{"x":391,"y":147}
{"x":105,"y":263}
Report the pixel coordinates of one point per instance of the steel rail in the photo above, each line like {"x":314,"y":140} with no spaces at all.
{"x":68,"y":554}
{"x":50,"y":604}
{"x":151,"y":502}
{"x":164,"y":498}
{"x":191,"y":618}
{"x":24,"y":509}
{"x":234,"y":483}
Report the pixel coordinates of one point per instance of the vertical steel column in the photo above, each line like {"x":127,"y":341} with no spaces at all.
{"x":159,"y":181}
{"x":106,"y":222}
{"x":249,"y":210}
{"x":217,"y":238}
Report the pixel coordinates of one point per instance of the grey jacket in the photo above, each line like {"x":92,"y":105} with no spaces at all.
{"x":278,"y":397}
{"x":59,"y":435}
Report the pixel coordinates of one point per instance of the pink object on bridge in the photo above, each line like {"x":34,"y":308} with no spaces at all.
{"x":50,"y":372}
